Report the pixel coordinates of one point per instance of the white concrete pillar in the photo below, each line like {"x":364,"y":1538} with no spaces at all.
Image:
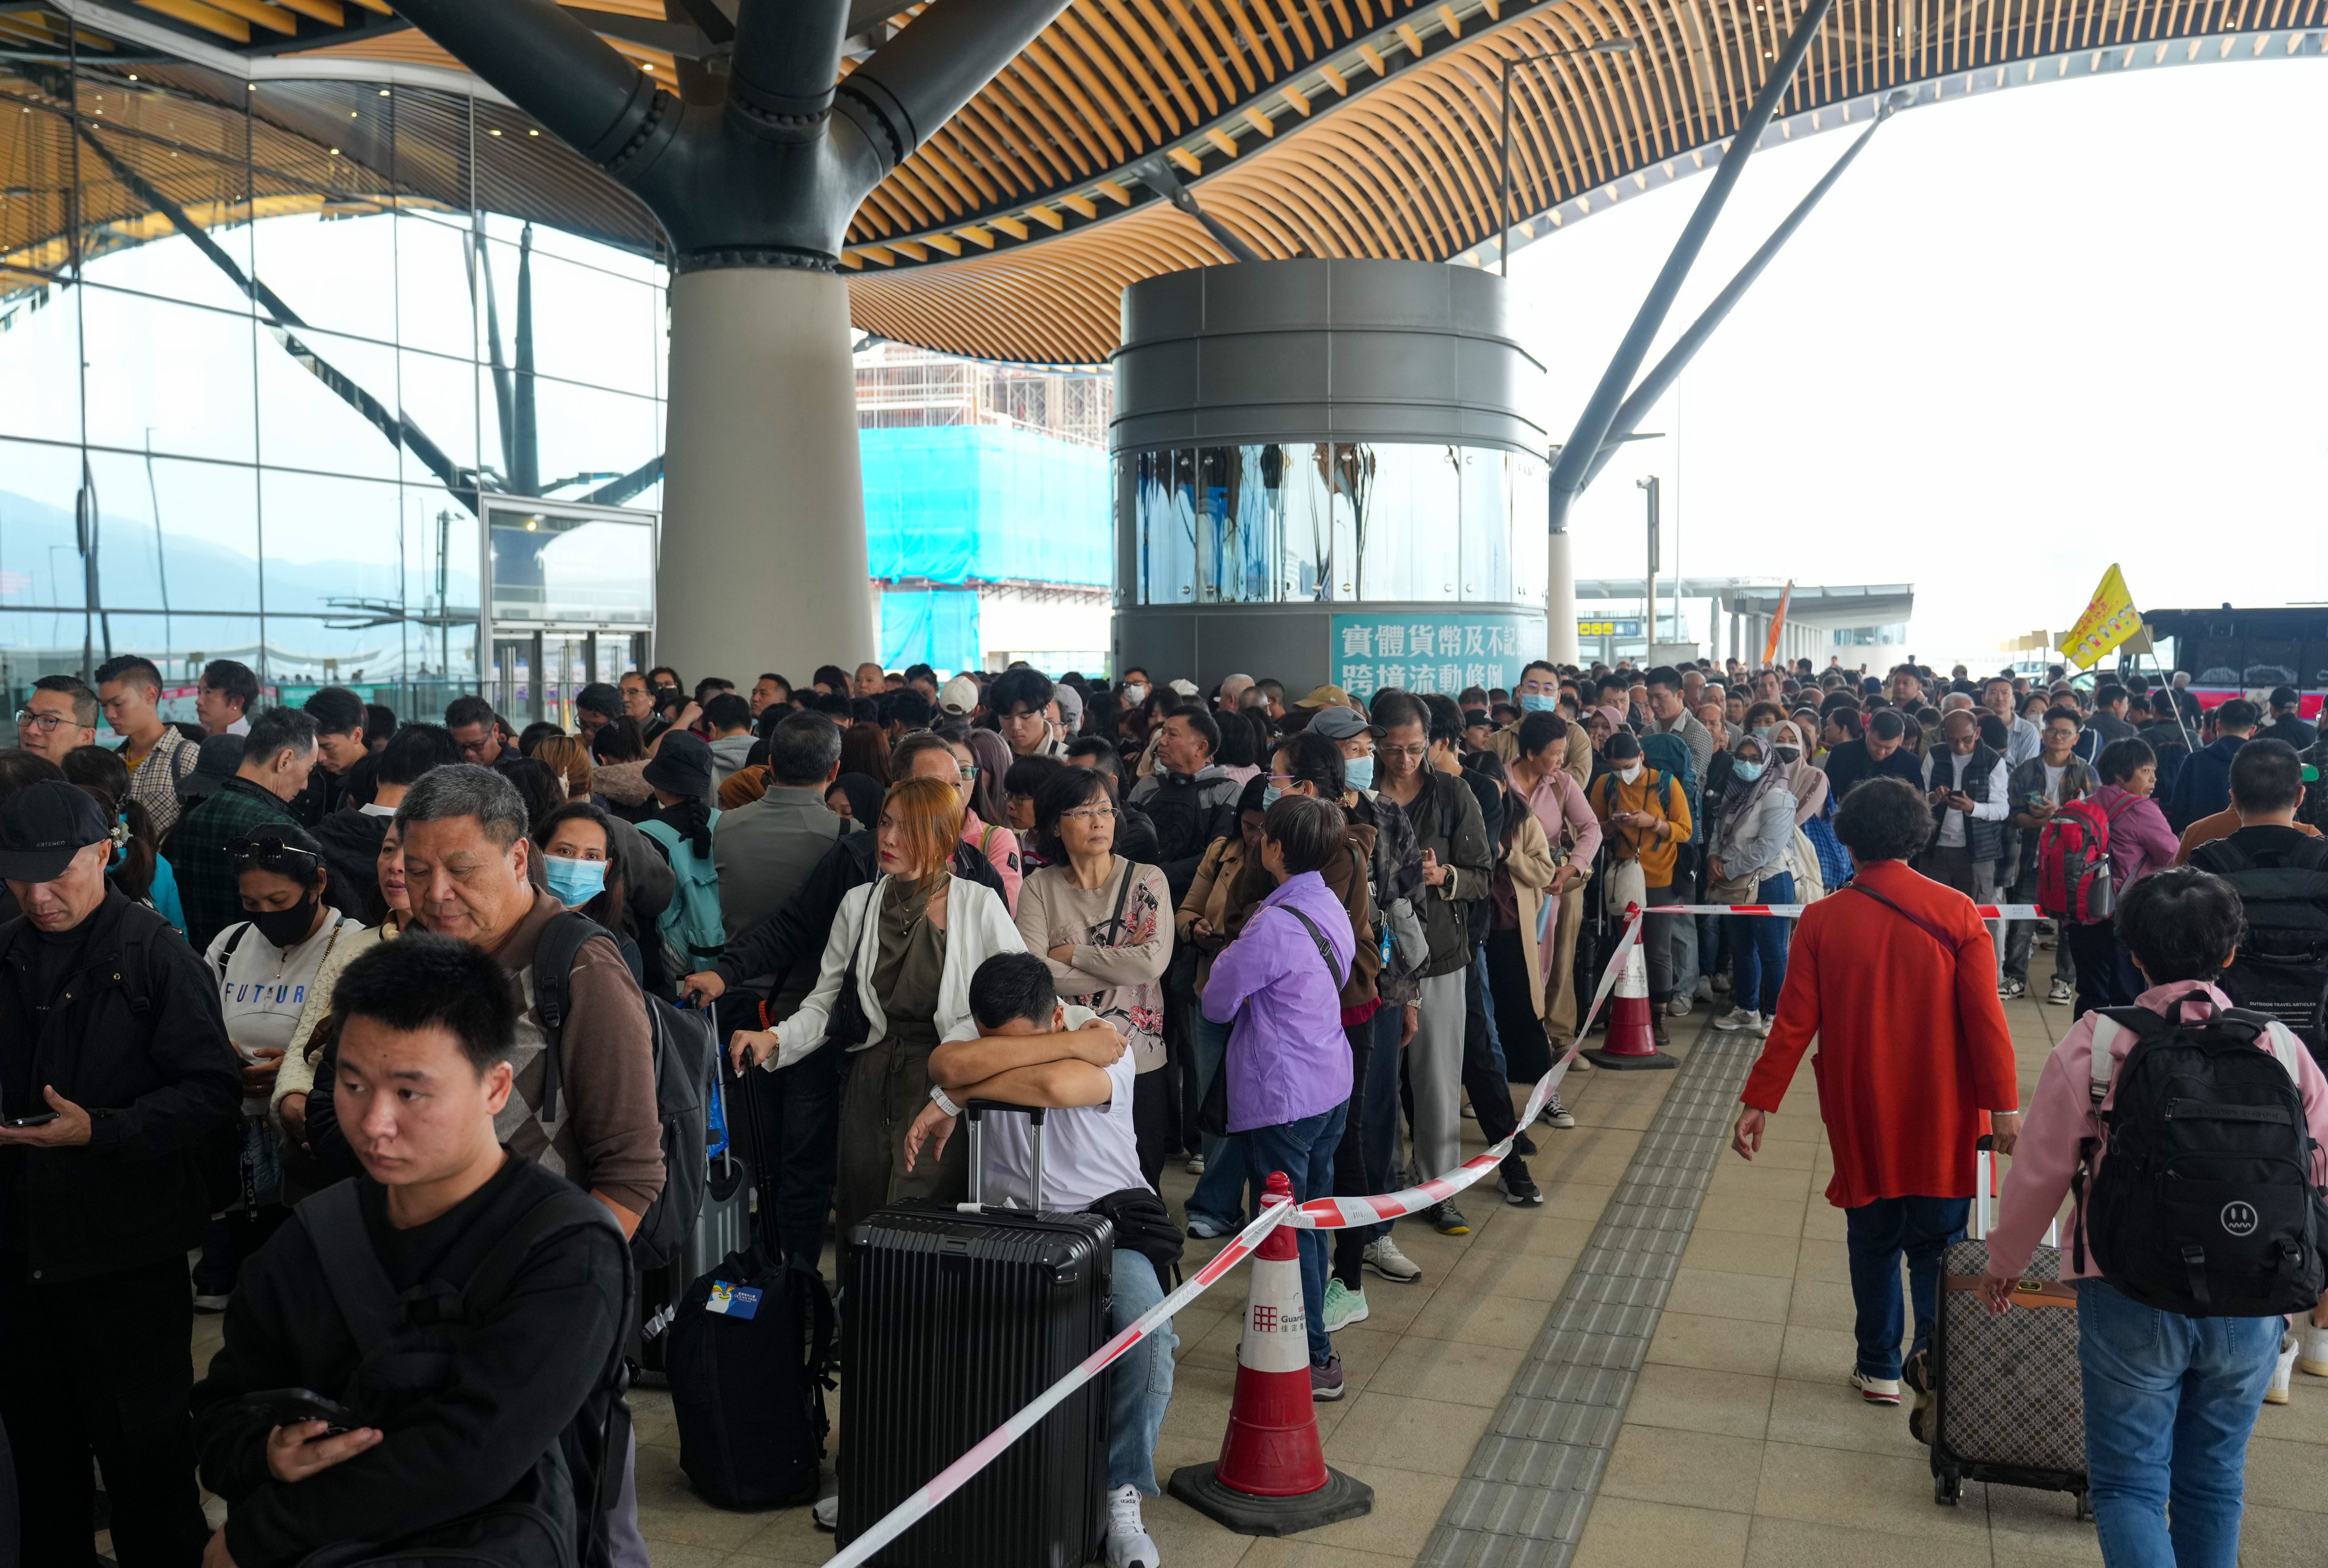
{"x":764,"y":562}
{"x":1559,"y":602}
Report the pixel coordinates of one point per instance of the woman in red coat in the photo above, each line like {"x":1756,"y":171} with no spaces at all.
{"x":1896,"y":977}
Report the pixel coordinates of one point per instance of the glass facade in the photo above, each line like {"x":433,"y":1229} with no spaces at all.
{"x":1331,"y":522}
{"x":252,"y":407}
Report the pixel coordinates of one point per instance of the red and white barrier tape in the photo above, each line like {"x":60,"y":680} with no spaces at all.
{"x":1794,"y":911}
{"x":1319,"y":1214}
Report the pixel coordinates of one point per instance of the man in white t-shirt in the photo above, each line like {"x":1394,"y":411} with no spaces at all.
{"x":1027,"y":1050}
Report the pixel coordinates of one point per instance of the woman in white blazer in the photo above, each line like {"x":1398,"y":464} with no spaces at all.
{"x":913,"y":937}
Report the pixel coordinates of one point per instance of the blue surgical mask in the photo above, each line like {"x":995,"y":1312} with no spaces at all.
{"x":1747,"y":771}
{"x":1538,"y":701}
{"x":1359,"y":772}
{"x":1762,"y":731}
{"x":573,"y":883}
{"x":1270,"y":795}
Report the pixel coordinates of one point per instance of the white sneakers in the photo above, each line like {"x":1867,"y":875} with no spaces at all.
{"x":1383,"y":1256}
{"x":2311,"y":1349}
{"x":2283,"y":1371}
{"x":1129,"y":1543}
{"x":1738,"y":1017}
{"x":1875,"y":1390}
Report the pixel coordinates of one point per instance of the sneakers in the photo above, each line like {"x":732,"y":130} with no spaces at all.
{"x":2283,"y":1371}
{"x":1343,"y":1306}
{"x":1468,"y":1112}
{"x":1383,"y":1256}
{"x":1447,"y":1220}
{"x":1129,"y":1543}
{"x":825,"y":1513}
{"x":1520,"y":1189}
{"x":210,"y":1303}
{"x":2311,"y":1354}
{"x":1704,"y":991}
{"x":1555,"y":1114}
{"x":2009,"y":989}
{"x":1326,"y":1382}
{"x":2060,"y":993}
{"x":1738,"y":1017}
{"x":1195,"y":1166}
{"x":1722,"y":983}
{"x":1875,"y":1390}
{"x":1207,"y":1226}
{"x":1679,"y":1006}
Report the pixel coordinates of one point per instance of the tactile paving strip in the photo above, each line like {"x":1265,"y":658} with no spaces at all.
{"x":1523,"y":1500}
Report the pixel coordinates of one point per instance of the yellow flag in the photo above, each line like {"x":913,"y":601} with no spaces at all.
{"x":2111,"y":618}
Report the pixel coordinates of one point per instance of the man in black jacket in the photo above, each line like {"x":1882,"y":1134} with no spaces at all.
{"x":109,"y":1027}
{"x":789,"y":944}
{"x":484,"y":1374}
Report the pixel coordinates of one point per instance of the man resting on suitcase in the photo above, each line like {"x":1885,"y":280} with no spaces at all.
{"x":465,"y":1306}
{"x":1030,"y":1050}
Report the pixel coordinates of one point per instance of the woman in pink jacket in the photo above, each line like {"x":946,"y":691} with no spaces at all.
{"x":2140,"y":842}
{"x":2169,"y":1399}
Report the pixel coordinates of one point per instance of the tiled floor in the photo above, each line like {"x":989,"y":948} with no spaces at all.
{"x":1740,"y":1445}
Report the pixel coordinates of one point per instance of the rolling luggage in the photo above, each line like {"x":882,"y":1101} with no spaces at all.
{"x":748,"y":1355}
{"x":957,"y":1318}
{"x":722,"y":1226}
{"x":2007,"y":1405}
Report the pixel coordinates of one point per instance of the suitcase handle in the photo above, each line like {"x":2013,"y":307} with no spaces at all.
{"x":1984,"y":1192}
{"x":974,"y":1113}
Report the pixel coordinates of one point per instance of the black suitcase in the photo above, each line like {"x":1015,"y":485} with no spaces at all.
{"x":2007,"y":1403}
{"x":955,"y":1320}
{"x":749,"y":1356}
{"x":722,"y":1228}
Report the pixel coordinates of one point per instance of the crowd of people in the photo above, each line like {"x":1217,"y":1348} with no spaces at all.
{"x":293,"y":958}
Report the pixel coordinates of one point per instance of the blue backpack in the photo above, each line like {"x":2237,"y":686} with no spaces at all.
{"x":692,"y":929}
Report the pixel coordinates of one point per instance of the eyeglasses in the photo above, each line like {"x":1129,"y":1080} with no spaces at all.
{"x":46,"y":723}
{"x":270,"y":853}
{"x":1416,"y":752}
{"x":1088,"y":814}
{"x":966,"y":771}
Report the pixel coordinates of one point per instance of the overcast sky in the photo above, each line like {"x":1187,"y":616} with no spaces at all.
{"x":2029,"y":333}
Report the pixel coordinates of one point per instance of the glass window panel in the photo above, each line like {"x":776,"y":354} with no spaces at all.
{"x":178,"y":119}
{"x":1309,"y":547}
{"x":337,"y":272}
{"x":172,"y":377}
{"x":173,"y":268}
{"x":40,"y":358}
{"x":304,"y":423}
{"x":40,"y":560}
{"x":175,"y":538}
{"x":306,"y":652}
{"x":1407,"y":539}
{"x":1163,"y":490}
{"x":551,"y":241}
{"x":586,"y":430}
{"x":434,"y":310}
{"x":578,"y":568}
{"x":588,"y":324}
{"x":127,"y":240}
{"x":1236,"y":519}
{"x":332,"y":545}
{"x":439,"y":397}
{"x":1530,"y":506}
{"x":1486,"y":534}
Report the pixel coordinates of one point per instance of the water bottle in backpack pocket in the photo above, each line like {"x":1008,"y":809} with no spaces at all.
{"x":2075,"y":881}
{"x":2210,"y":1203}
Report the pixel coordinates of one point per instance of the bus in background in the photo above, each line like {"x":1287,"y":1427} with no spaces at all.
{"x":2230,"y":653}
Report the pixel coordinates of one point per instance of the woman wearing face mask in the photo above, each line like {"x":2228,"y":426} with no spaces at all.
{"x":267,"y":966}
{"x":1748,"y":863}
{"x":583,"y":865}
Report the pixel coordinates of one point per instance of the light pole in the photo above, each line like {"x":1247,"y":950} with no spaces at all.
{"x":1617,"y":45}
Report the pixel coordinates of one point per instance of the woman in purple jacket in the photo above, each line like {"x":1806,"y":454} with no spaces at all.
{"x":2140,"y":842}
{"x":1279,"y":985}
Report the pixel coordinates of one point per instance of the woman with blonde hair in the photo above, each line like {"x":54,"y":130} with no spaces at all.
{"x":568,"y":756}
{"x":895,"y":982}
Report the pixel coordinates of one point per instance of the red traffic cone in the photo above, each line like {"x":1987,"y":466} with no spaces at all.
{"x":1631,"y":1043}
{"x":1272,"y":1478}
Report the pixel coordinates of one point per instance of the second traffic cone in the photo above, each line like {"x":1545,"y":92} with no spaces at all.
{"x":1632,"y":1040}
{"x":1272,"y":1478}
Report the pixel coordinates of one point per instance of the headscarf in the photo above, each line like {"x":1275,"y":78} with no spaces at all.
{"x":1614,"y":715}
{"x":1739,"y":801}
{"x":1804,"y":781}
{"x":864,"y":793}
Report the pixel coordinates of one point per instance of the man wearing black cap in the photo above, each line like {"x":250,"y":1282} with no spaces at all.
{"x":111,"y":1042}
{"x":2288,"y":722}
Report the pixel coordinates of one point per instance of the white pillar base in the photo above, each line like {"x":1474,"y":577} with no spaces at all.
{"x":764,"y":563}
{"x":1560,"y":602}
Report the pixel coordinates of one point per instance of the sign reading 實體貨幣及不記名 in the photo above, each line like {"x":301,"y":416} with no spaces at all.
{"x":1423,"y":651}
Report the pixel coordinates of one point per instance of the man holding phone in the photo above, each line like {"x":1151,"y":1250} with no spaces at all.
{"x":534,"y":1272}
{"x":1966,"y":783}
{"x":115,"y":1071}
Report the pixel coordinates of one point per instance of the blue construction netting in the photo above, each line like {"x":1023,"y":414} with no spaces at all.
{"x":933,"y":626}
{"x":954,"y":504}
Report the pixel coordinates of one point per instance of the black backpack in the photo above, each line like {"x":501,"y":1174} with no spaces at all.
{"x":2210,"y":1203}
{"x":686,"y":1076}
{"x":2281,"y":968}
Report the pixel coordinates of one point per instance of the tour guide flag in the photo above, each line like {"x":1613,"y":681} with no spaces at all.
{"x":1778,"y":624}
{"x":2109,"y":619}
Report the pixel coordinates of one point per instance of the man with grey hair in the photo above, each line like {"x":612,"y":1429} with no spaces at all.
{"x":468,"y":869}
{"x":1233,"y":688}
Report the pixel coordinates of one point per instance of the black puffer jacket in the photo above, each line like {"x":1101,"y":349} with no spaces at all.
{"x":1189,"y":810}
{"x":132,"y":1035}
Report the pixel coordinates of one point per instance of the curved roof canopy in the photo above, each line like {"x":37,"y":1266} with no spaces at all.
{"x":1307,"y":127}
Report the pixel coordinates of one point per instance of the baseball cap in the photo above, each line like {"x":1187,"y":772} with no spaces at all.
{"x":959,"y":696}
{"x":43,"y":826}
{"x":1184,"y":686}
{"x":1071,"y":706}
{"x":1341,"y":724}
{"x":1325,"y":696}
{"x":2284,"y":697}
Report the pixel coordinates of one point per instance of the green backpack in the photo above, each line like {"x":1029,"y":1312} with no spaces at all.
{"x":692,"y":929}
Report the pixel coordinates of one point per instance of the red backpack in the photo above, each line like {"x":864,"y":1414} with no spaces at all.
{"x":2073,"y":863}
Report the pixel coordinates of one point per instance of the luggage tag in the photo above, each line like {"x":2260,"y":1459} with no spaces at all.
{"x":733,"y":1300}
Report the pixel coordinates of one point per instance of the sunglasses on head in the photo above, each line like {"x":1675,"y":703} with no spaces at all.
{"x":270,"y":853}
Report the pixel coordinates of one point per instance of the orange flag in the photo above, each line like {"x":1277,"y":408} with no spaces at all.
{"x":1778,"y":624}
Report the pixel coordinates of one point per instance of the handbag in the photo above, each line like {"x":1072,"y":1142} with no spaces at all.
{"x":1625,"y":886}
{"x":1213,"y":1115}
{"x":846,"y":1025}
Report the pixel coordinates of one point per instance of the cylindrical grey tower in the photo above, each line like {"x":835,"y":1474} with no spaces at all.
{"x":1328,"y":471}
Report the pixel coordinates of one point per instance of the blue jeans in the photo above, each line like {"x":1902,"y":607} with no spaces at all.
{"x":1877,"y":1234}
{"x":1757,"y":948}
{"x":1138,"y":1386}
{"x":1304,"y":1151}
{"x":1220,"y":1191}
{"x":2170,"y":1402}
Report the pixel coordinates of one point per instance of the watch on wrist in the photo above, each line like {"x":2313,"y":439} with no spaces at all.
{"x":938,"y":1098}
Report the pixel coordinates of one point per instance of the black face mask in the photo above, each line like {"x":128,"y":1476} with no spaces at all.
{"x":286,"y":927}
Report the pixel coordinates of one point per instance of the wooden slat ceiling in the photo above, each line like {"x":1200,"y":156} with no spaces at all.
{"x":1338,"y":127}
